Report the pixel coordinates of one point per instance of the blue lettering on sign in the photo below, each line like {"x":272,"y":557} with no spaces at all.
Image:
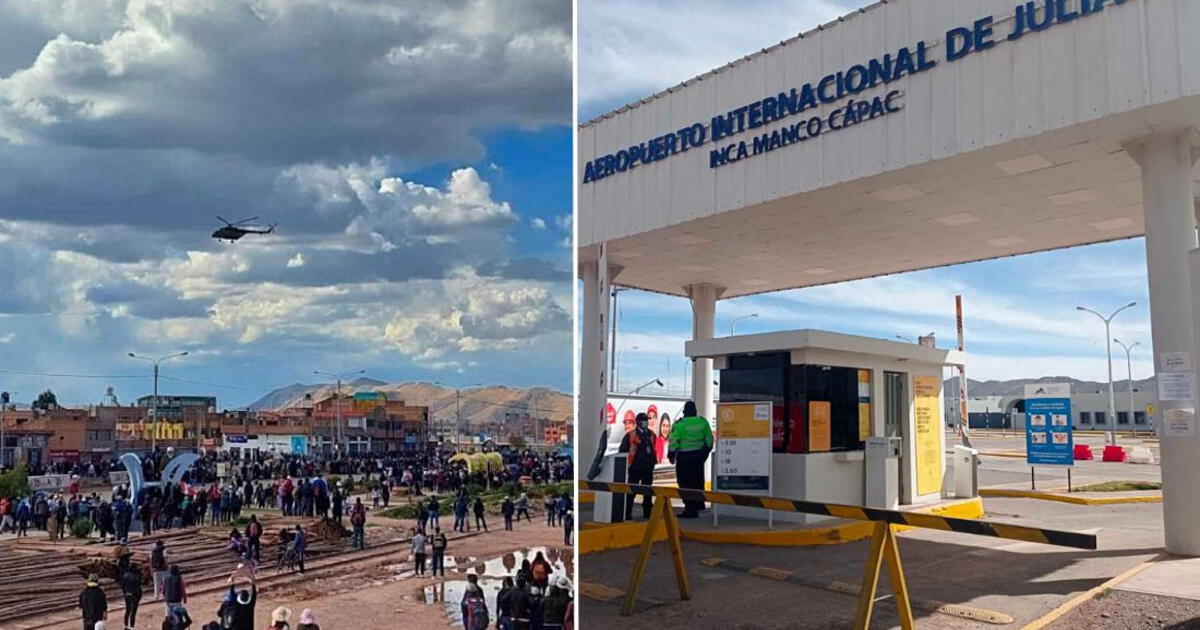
{"x":1028,"y":17}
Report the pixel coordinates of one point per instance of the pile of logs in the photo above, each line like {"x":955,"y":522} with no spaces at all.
{"x":38,"y":576}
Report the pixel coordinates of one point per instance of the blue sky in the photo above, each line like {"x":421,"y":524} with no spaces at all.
{"x":415,"y":155}
{"x":1020,"y":321}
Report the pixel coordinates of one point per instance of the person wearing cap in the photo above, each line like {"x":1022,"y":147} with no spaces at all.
{"x":93,"y":602}
{"x":279,"y":618}
{"x":639,"y":446}
{"x":308,"y":620}
{"x":691,"y":442}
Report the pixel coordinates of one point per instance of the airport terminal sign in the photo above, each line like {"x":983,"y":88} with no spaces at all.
{"x":721,"y":129}
{"x":1048,"y":437}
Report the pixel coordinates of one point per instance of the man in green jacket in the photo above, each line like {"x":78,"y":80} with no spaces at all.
{"x":691,"y":442}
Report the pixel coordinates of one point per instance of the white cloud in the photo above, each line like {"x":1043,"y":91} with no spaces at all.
{"x":626,"y":54}
{"x":538,"y":223}
{"x":296,"y":261}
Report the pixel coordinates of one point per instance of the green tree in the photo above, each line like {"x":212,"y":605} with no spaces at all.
{"x":14,"y":483}
{"x":46,"y":401}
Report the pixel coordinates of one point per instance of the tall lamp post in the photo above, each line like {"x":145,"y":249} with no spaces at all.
{"x":337,"y":403}
{"x":733,"y":325}
{"x":154,"y":401}
{"x":5,"y":397}
{"x":1112,"y":400}
{"x":1129,"y":367}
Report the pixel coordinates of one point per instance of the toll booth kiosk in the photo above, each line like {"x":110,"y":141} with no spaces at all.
{"x":856,"y":420}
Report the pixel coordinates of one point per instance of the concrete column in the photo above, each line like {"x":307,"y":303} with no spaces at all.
{"x":593,"y":377}
{"x":704,"y":312}
{"x":1167,"y":161}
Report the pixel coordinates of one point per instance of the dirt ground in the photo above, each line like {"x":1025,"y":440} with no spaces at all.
{"x":1124,"y":610}
{"x":372,"y":593}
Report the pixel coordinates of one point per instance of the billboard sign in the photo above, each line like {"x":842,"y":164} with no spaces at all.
{"x":743,"y":447}
{"x":621,"y":411}
{"x":1049,"y":440}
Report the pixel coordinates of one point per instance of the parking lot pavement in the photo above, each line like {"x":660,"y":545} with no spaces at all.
{"x":1023,"y":580}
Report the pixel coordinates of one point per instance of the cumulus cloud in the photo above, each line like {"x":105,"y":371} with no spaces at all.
{"x":286,"y":82}
{"x":127,"y":126}
{"x":625,"y":54}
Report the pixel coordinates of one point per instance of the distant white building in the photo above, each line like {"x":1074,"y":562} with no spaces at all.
{"x":1089,"y":409}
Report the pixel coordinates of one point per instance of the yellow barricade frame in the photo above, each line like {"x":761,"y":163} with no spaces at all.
{"x":884,"y":544}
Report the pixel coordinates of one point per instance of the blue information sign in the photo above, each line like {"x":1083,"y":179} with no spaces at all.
{"x":1048,"y":437}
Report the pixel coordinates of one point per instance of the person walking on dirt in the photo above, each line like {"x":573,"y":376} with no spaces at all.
{"x":507,"y":509}
{"x":300,"y":544}
{"x":523,"y":508}
{"x":460,"y":512}
{"x":358,"y":520}
{"x":175,"y":593}
{"x":438,"y":544}
{"x":435,"y":510}
{"x":131,"y":588}
{"x":691,"y":442}
{"x":93,"y":602}
{"x":158,"y":567}
{"x":568,"y":527}
{"x":254,"y":532}
{"x":418,"y":549}
{"x":639,"y":445}
{"x":337,"y":500}
{"x":480,"y":518}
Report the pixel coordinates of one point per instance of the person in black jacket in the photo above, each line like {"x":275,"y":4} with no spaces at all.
{"x":131,"y":587}
{"x":237,"y":613}
{"x":520,"y":604}
{"x":639,"y":444}
{"x":480,"y":519}
{"x":93,"y":602}
{"x":504,"y":606}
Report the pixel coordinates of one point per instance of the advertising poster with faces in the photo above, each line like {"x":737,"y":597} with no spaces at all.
{"x":621,"y":411}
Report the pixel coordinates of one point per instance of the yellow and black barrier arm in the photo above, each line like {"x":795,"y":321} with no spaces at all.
{"x":883,"y":543}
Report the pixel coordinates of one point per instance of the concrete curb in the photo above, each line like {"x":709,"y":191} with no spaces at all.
{"x":1074,"y":602}
{"x":1062,"y":498}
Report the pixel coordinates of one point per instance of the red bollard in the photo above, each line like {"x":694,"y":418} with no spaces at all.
{"x":1083,"y":451}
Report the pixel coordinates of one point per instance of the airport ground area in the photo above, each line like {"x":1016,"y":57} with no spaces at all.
{"x":344,"y":587}
{"x":955,"y":580}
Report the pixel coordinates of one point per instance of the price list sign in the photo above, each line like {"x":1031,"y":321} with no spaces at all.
{"x":743,"y":442}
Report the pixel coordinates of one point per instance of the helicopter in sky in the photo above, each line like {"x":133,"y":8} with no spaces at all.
{"x":234,"y":230}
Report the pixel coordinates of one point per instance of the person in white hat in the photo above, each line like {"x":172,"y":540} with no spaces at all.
{"x":280,"y":617}
{"x":308,"y":620}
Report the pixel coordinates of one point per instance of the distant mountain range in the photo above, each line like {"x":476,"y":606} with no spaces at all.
{"x":480,"y":405}
{"x":1016,"y":387}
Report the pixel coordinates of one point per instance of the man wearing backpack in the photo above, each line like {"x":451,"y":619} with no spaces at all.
{"x":254,"y":533}
{"x":639,"y":446}
{"x":474,"y":606}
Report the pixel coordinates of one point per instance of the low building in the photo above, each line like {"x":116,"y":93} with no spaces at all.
{"x":179,"y":408}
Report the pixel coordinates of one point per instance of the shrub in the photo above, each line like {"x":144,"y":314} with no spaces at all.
{"x":81,"y":528}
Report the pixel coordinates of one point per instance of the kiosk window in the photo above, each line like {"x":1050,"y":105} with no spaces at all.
{"x":830,"y":399}
{"x":759,"y":378}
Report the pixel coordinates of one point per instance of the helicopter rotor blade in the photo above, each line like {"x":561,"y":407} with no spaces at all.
{"x":224,"y":220}
{"x":244,"y":221}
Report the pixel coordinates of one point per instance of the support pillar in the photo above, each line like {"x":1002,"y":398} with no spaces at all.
{"x":704,"y":312}
{"x":593,"y":373}
{"x":1167,"y":162}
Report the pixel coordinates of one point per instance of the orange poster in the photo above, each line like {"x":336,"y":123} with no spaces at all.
{"x":818,"y":426}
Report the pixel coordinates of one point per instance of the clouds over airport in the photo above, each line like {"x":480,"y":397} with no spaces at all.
{"x":125,"y":126}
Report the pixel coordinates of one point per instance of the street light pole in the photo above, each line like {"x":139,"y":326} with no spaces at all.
{"x":733,"y":325}
{"x":337,"y":405}
{"x":1129,"y":368}
{"x":5,"y":397}
{"x":154,"y":401}
{"x":1112,"y":400}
